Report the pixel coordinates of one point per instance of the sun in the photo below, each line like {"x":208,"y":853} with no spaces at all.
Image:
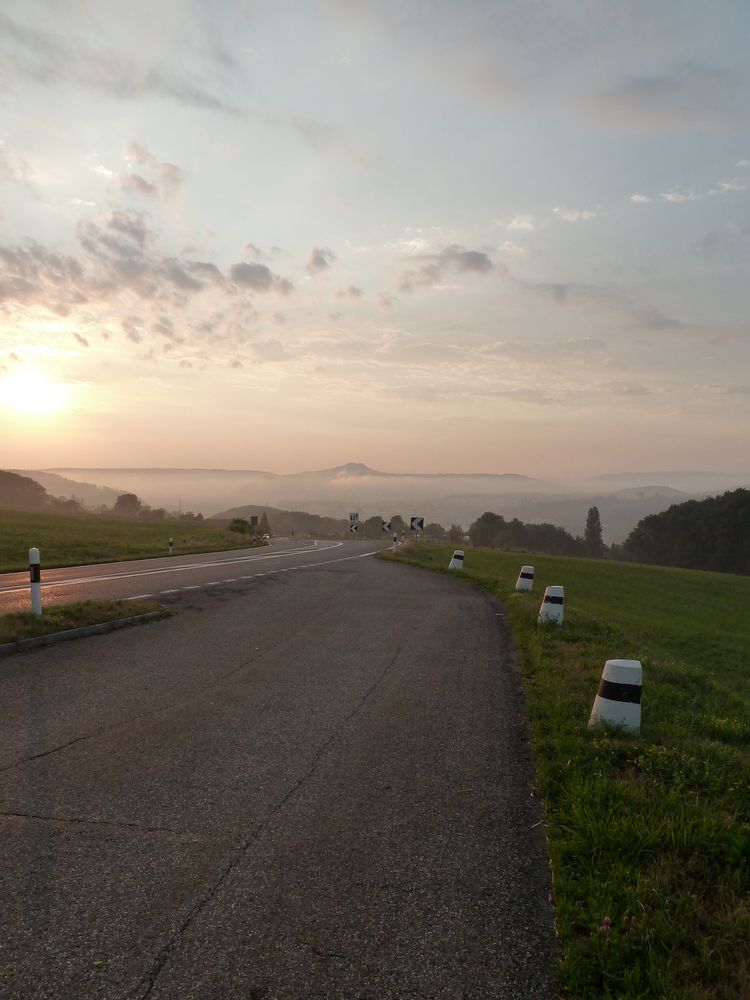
{"x":32,"y":393}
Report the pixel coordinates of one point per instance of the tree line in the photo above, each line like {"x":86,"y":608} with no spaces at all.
{"x":711,"y":534}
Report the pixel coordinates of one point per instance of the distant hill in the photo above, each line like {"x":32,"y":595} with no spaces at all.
{"x":24,"y":493}
{"x":284,"y":522}
{"x":85,"y":493}
{"x":446,"y":498}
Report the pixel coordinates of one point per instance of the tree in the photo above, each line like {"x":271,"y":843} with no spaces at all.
{"x":434,"y":531}
{"x":397,"y":524}
{"x":484,"y":531}
{"x":21,"y":491}
{"x":592,"y":537}
{"x":373,"y":527}
{"x":455,"y":534}
{"x":127,"y":505}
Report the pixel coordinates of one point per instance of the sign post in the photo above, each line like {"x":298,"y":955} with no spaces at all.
{"x":353,"y":522}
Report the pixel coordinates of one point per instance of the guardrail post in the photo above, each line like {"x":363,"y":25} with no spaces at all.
{"x":35,"y":577}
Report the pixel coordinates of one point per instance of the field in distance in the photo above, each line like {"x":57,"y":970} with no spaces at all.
{"x":649,"y":836}
{"x":77,"y":539}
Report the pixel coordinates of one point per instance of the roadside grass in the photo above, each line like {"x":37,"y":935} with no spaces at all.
{"x":77,"y":539}
{"x":25,"y":625}
{"x":649,"y":837}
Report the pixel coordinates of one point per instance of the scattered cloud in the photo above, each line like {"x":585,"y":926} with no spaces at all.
{"x":687,"y":96}
{"x":81,"y":340}
{"x":352,"y":292}
{"x":320,"y":259}
{"x":13,"y":167}
{"x":259,"y":278}
{"x":166,"y":177}
{"x":434,"y":267}
{"x":678,"y":197}
{"x":53,"y":59}
{"x":641,"y":199}
{"x":522,"y":224}
{"x":574,"y":214}
{"x":511,"y":249}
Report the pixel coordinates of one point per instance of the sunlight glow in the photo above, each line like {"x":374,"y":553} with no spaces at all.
{"x":33,"y":394}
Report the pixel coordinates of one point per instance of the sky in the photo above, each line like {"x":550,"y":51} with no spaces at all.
{"x":507,"y":236}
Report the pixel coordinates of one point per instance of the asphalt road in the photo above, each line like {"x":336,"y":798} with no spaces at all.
{"x":171,"y":574}
{"x":311,"y":784}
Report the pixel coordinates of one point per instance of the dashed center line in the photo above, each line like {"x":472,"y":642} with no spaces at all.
{"x":254,"y":576}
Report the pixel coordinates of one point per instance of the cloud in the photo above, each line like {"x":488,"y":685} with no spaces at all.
{"x":385,"y":301}
{"x":320,"y":259}
{"x":433,"y":268}
{"x":13,"y":167}
{"x":50,"y":59}
{"x":167,"y":177}
{"x":352,"y":292}
{"x":678,"y":197}
{"x":522,"y":224}
{"x":511,"y":249}
{"x":81,"y":340}
{"x":688,"y":96}
{"x":259,"y":278}
{"x":574,"y":214}
{"x":640,"y":199}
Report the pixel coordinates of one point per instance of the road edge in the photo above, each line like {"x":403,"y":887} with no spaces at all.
{"x":8,"y":648}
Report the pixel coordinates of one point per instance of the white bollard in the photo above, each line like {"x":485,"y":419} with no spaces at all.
{"x":457,"y":560}
{"x":170,"y":546}
{"x":525,"y":579}
{"x":551,"y":609}
{"x":618,"y":697}
{"x":35,"y":577}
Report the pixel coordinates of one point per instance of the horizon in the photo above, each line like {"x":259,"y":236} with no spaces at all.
{"x":488,"y":234}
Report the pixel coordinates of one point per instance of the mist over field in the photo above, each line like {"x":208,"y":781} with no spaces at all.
{"x":622,"y":498}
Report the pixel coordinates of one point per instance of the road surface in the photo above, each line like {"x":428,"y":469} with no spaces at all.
{"x":312,"y":784}
{"x":171,"y":574}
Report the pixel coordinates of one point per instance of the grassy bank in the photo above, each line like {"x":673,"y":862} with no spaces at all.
{"x":649,"y":837}
{"x":24,"y":625}
{"x":76,"y":539}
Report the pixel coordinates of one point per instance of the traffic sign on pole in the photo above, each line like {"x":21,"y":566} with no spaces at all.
{"x":386,"y":525}
{"x":353,"y":518}
{"x":417,"y":524}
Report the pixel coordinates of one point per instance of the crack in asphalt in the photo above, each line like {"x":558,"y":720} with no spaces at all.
{"x":195,"y":690}
{"x":147,"y":983}
{"x":115,"y":824}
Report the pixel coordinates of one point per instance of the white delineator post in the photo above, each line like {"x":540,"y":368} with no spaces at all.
{"x":35,"y":577}
{"x":525,"y":579}
{"x":170,"y":545}
{"x":551,"y":609}
{"x":618,"y":697}
{"x":457,"y":560}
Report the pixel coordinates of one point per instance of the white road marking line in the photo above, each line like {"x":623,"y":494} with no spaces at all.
{"x":175,"y":591}
{"x":213,"y":583}
{"x":138,"y":597}
{"x":230,"y":579}
{"x":285,"y":553}
{"x":195,"y":586}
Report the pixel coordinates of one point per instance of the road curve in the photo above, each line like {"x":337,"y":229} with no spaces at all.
{"x":311,"y":784}
{"x":171,"y":574}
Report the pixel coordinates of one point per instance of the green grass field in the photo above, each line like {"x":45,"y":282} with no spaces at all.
{"x":75,"y":539}
{"x":24,"y":625}
{"x":649,"y":837}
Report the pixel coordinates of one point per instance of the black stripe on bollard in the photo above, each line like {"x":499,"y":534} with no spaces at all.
{"x":35,"y":572}
{"x":527,"y":576}
{"x":554,"y":599}
{"x":613,"y":691}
